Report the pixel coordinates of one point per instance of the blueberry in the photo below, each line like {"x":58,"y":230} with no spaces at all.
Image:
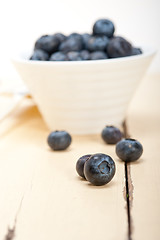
{"x":99,"y":169}
{"x":58,"y":56}
{"x":71,"y":44}
{"x":119,"y":47}
{"x":97,"y":43}
{"x":40,"y":55}
{"x":76,"y":36}
{"x":111,"y":135}
{"x":74,"y":56}
{"x":98,"y":55}
{"x":104,"y":27}
{"x":85,"y":55}
{"x":61,"y":37}
{"x":129,"y":150}
{"x":80,"y":164}
{"x":136,"y":51}
{"x":48,"y":43}
{"x":85,"y":38}
{"x":59,"y":140}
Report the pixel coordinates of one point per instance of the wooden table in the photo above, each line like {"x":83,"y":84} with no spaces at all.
{"x":41,"y":196}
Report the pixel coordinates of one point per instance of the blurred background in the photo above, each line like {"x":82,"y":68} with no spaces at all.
{"x":22,"y":22}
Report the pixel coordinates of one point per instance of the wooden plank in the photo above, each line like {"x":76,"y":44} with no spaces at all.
{"x":144,"y":124}
{"x":43,"y":187}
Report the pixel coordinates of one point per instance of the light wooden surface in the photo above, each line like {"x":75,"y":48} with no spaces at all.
{"x":144,"y":124}
{"x":41,"y":190}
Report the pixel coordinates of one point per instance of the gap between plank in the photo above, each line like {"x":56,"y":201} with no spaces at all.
{"x":12,"y":230}
{"x":128,"y":186}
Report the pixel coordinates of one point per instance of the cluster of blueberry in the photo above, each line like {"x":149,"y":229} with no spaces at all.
{"x":101,"y":44}
{"x":99,"y":169}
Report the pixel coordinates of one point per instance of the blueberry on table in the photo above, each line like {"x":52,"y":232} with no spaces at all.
{"x":104,"y":27}
{"x":99,"y":169}
{"x":97,"y":55}
{"x":97,"y":43}
{"x":119,"y":47}
{"x":80,"y":165}
{"x":58,"y":56}
{"x":111,"y":134}
{"x":74,"y":56}
{"x":85,"y":55}
{"x":71,"y":44}
{"x":59,"y":140}
{"x":136,"y":51}
{"x":129,"y":150}
{"x":39,"y":55}
{"x":48,"y":43}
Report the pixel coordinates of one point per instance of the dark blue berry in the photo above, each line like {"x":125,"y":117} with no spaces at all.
{"x":71,"y":44}
{"x":48,"y":43}
{"x":61,"y":37}
{"x":59,"y":140}
{"x":97,"y":43}
{"x":111,"y":135}
{"x":80,"y":165}
{"x":58,"y":56}
{"x":129,"y":150}
{"x":85,"y":38}
{"x":98,"y":55}
{"x":119,"y":47}
{"x":74,"y":56}
{"x":99,"y":169}
{"x":76,"y":36}
{"x":104,"y":27}
{"x":85,"y":55}
{"x":136,"y":51}
{"x":39,"y":55}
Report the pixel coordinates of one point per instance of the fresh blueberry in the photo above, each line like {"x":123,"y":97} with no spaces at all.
{"x":71,"y":44}
{"x":98,"y":55}
{"x":74,"y":56}
{"x":97,"y":43}
{"x":39,"y":55}
{"x":136,"y":51}
{"x":76,"y":36}
{"x":104,"y":27}
{"x":129,"y":150}
{"x":85,"y":55}
{"x":99,"y":169}
{"x":85,"y":38}
{"x":80,"y":165}
{"x":111,"y":135}
{"x":58,"y":56}
{"x":119,"y":47}
{"x":48,"y":43}
{"x":61,"y":37}
{"x":59,"y":140}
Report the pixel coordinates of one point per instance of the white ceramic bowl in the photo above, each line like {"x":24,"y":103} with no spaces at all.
{"x":83,"y":96}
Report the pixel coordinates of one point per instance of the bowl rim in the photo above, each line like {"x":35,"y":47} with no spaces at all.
{"x":146,"y":52}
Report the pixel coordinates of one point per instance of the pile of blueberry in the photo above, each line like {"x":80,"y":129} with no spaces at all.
{"x":101,"y":44}
{"x":99,"y":169}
